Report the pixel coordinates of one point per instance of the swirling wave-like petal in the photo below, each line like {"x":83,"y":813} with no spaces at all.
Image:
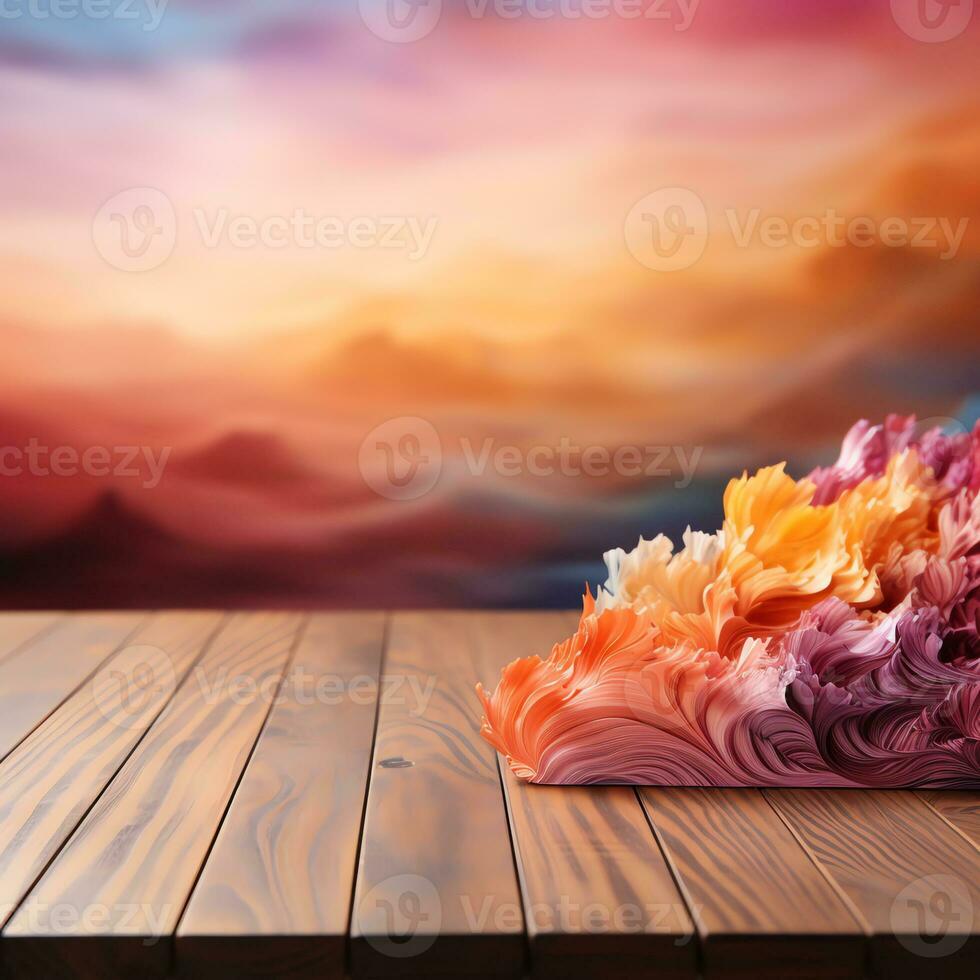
{"x":826,"y":636}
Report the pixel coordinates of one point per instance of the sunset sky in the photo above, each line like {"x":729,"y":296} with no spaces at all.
{"x":504,"y":156}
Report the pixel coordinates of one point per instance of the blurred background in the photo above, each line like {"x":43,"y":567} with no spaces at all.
{"x":408,"y":303}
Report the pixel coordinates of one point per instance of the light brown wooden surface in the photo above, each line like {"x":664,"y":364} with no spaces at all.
{"x":175,"y":800}
{"x":894,"y":858}
{"x":51,"y":779}
{"x":45,"y":671}
{"x":962,"y":810}
{"x":436,"y":866}
{"x":761,"y":906}
{"x":18,"y":629}
{"x":125,"y":875}
{"x":598,"y":896}
{"x":274,"y":897}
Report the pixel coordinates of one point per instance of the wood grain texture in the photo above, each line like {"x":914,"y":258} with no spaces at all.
{"x":960,"y":808}
{"x":896,"y":861}
{"x":19,"y":628}
{"x":109,"y":903}
{"x":599,"y":899}
{"x":761,"y":906}
{"x":436,"y":890}
{"x":45,"y":671}
{"x":274,"y":897}
{"x":166,"y":805}
{"x":49,"y":781}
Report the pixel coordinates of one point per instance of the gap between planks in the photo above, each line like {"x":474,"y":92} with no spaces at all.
{"x":137,"y":851}
{"x":274,"y":894}
{"x":481,"y":636}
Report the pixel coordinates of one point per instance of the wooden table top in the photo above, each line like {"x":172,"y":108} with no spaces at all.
{"x":306,"y":795}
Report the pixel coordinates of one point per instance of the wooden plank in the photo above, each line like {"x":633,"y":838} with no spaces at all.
{"x":960,"y":807}
{"x":51,"y":779}
{"x":599,"y":898}
{"x":761,"y":906}
{"x":45,"y":671}
{"x":274,"y":897}
{"x":436,"y":891}
{"x":109,"y":901}
{"x":18,"y":628}
{"x":911,"y":877}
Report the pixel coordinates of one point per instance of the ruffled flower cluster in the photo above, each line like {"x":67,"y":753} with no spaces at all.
{"x":827,"y":635}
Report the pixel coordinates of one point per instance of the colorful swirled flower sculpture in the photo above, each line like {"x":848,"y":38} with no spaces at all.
{"x":827,"y":635}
